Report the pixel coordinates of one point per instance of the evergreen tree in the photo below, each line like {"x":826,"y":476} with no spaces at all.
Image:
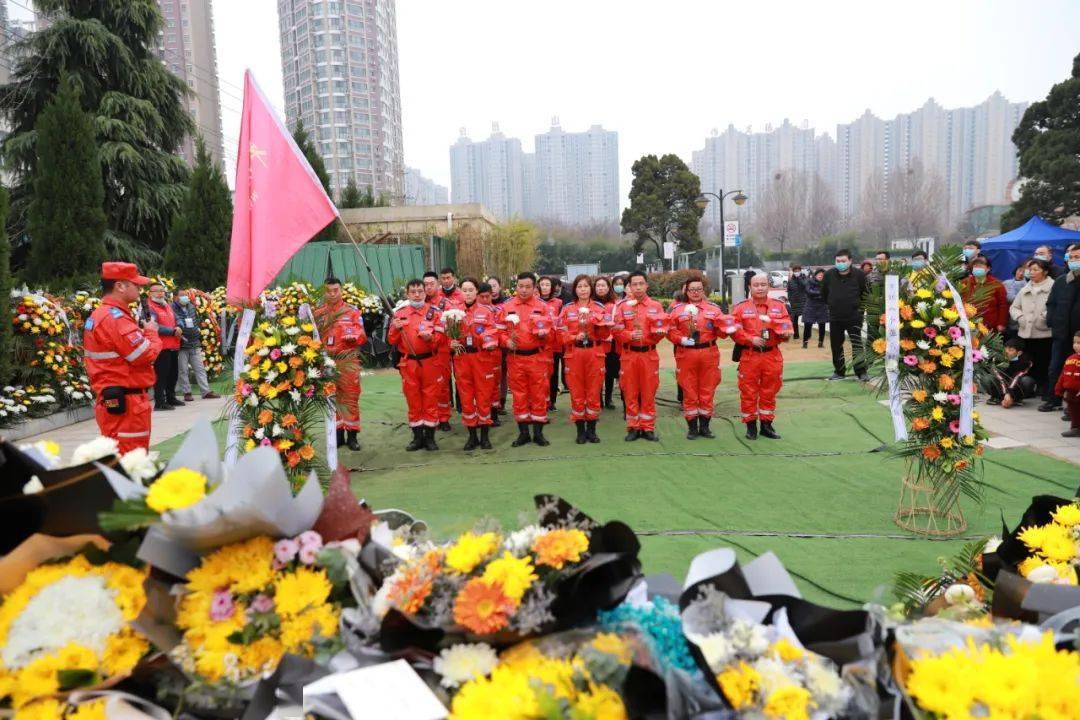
{"x":66,"y":220}
{"x":1048,"y":143}
{"x":6,"y":331}
{"x":662,"y":199}
{"x":350,"y":196}
{"x":198,"y":251}
{"x":307,"y":146}
{"x":107,"y":48}
{"x":369,"y":198}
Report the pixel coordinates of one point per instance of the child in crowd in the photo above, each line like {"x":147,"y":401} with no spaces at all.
{"x":1068,"y":386}
{"x":1015,"y":382}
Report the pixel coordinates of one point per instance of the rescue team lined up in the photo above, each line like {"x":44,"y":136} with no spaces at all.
{"x":481,"y":341}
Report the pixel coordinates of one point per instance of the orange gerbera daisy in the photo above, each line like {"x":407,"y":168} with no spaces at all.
{"x":557,"y":547}
{"x":293,"y":459}
{"x":329,"y":389}
{"x":920,"y":423}
{"x":961,"y":464}
{"x":919,"y":395}
{"x":265,"y":416}
{"x":289,"y":420}
{"x":928,"y":367}
{"x":298,"y":378}
{"x":248,"y":431}
{"x":906,"y":312}
{"x":907,"y":344}
{"x":482,"y":608}
{"x":931,"y":452}
{"x":296,"y":361}
{"x":307,"y":452}
{"x":945,"y":382}
{"x":303,"y":340}
{"x":410,"y":591}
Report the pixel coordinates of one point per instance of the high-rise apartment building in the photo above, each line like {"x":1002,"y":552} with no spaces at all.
{"x":186,"y":47}
{"x":420,"y":190}
{"x":576,"y":177}
{"x":340,"y":64}
{"x":490,"y":172}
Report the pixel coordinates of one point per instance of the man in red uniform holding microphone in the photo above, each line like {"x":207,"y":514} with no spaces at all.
{"x":694,"y":327}
{"x":526,"y":328}
{"x":761,"y":324}
{"x":639,"y":324}
{"x":341,"y":328}
{"x":416,"y":331}
{"x":120,"y":358}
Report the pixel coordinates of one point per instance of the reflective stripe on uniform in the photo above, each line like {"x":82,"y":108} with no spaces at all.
{"x":132,"y":435}
{"x":134,"y":354}
{"x":105,"y":355}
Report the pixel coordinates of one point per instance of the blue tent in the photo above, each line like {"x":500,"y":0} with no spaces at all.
{"x":1008,"y":250}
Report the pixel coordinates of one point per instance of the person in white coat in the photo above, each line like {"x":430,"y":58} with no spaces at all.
{"x":1028,"y":309}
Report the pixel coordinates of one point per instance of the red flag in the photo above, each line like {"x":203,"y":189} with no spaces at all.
{"x":279,"y":203}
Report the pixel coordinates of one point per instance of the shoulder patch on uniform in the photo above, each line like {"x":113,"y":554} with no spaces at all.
{"x":116,"y":312}
{"x":89,"y":324}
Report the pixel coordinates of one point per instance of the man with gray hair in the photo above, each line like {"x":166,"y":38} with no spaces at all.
{"x":761,"y":324}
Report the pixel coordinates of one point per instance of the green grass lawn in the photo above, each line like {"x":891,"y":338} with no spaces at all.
{"x":821,"y":498}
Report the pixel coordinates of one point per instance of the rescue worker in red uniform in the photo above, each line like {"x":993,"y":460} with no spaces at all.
{"x":605,"y":295}
{"x":434,"y":295}
{"x":761,"y":324}
{"x":120,"y":358}
{"x":694,"y":326}
{"x":639,"y":324}
{"x":448,"y":287}
{"x":526,"y":329}
{"x":416,"y":331}
{"x":583,"y":328}
{"x":545,"y":290}
{"x":341,"y":327}
{"x":476,"y":357}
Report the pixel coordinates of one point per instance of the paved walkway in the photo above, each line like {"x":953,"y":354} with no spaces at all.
{"x":164,"y":425}
{"x":1024,"y":426}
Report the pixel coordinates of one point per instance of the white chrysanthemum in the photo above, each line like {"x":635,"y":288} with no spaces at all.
{"x":99,"y":447}
{"x":329,"y":362}
{"x":460,"y":663}
{"x":992,"y":544}
{"x":253,"y":400}
{"x":717,"y":649}
{"x":380,"y":604}
{"x":295,"y":395}
{"x":277,"y":431}
{"x":260,"y":433}
{"x":292,"y":330}
{"x":272,"y":376}
{"x":139,"y":464}
{"x":288,"y":348}
{"x":519,"y":541}
{"x":263,"y":352}
{"x":921,"y":307}
{"x":959,"y":594}
{"x":941,"y":397}
{"x":824,"y":685}
{"x":923,"y":345}
{"x":774,"y":675}
{"x":1043,"y":574}
{"x":314,"y":373}
{"x":79,"y":610}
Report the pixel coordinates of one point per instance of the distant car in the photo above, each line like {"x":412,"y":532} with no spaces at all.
{"x":778,"y":279}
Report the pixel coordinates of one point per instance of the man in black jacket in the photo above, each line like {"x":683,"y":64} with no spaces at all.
{"x":842,"y":290}
{"x":1063,"y":317}
{"x":796,"y":295}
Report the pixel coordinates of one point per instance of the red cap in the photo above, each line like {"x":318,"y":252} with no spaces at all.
{"x":123,"y":271}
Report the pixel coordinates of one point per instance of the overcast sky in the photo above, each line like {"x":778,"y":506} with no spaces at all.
{"x":664,"y":74}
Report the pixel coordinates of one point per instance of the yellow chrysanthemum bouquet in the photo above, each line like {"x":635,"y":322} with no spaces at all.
{"x":283,"y":392}
{"x":503,"y":586}
{"x":68,"y":626}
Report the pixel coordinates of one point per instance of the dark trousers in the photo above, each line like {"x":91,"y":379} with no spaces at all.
{"x":611,"y":375}
{"x":808,"y":331}
{"x":1040,"y":350}
{"x":557,"y":369}
{"x":1022,"y":390}
{"x":168,"y":372}
{"x":1060,"y":349}
{"x":795,"y":313}
{"x":851,"y":327}
{"x":1073,"y":404}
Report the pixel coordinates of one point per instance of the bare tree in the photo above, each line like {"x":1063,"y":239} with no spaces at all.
{"x":824,"y":214}
{"x":782,"y":213}
{"x":874,"y":219}
{"x":909,"y":204}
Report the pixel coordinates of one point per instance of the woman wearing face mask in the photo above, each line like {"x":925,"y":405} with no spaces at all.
{"x":476,"y":353}
{"x":583,"y":327}
{"x":815,"y":311}
{"x":1028,"y":309}
{"x":603,"y":294}
{"x":546,"y":289}
{"x":191,"y":354}
{"x":986,"y":293}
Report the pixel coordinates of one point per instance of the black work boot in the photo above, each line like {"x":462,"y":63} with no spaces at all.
{"x":473,"y":442}
{"x":485,"y":441}
{"x":351,"y":442}
{"x":580,"y":432}
{"x":340,"y":437}
{"x":590,"y":431}
{"x":445,"y":426}
{"x":523,"y":435}
{"x":495,"y":418}
{"x":692,"y":433}
{"x":417,"y":440}
{"x":703,"y":427}
{"x":538,"y":435}
{"x":429,"y":439}
{"x":648,"y":435}
{"x":632,"y":434}
{"x":751,"y":430}
{"x":767,"y":430}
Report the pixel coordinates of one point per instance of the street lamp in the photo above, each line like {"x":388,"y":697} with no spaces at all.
{"x":702,"y":202}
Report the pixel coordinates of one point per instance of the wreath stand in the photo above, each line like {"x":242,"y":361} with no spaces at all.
{"x":918,"y":513}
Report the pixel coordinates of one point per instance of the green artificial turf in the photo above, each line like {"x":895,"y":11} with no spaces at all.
{"x":822,"y":498}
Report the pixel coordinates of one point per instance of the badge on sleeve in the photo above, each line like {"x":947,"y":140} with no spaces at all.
{"x":116,"y":312}
{"x":89,"y":325}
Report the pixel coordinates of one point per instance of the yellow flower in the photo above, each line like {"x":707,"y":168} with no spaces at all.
{"x":612,"y":644}
{"x":515,"y":574}
{"x":557,"y":547}
{"x":1067,"y":514}
{"x":307,"y":327}
{"x":923,"y":293}
{"x":880,"y":346}
{"x":942,"y":340}
{"x":739,"y":684}
{"x":918,"y":324}
{"x":956,"y":351}
{"x":919,"y":395}
{"x":788,"y":703}
{"x":470,"y":550}
{"x":786,"y":651}
{"x":947,"y":294}
{"x":950,"y":314}
{"x":288,"y":321}
{"x":176,"y":489}
{"x":301,"y":590}
{"x":601,"y":703}
{"x":254,"y":374}
{"x":937,"y":413}
{"x":123,"y":652}
{"x":946,"y":442}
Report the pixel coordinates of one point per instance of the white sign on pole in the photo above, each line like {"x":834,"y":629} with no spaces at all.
{"x":731,"y":229}
{"x":733,"y":241}
{"x":640,"y":258}
{"x":669,"y":251}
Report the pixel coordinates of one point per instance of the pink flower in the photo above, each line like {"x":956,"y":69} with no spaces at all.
{"x":955,"y":333}
{"x":221,"y":606}
{"x":285,"y":550}
{"x":954,"y":398}
{"x":976,"y":355}
{"x":310,"y":392}
{"x":262,"y":603}
{"x":911,"y":360}
{"x":954,"y":427}
{"x":245,"y":389}
{"x":310,"y":537}
{"x":265,"y":442}
{"x":930,"y":332}
{"x":275,"y":354}
{"x":308,"y":554}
